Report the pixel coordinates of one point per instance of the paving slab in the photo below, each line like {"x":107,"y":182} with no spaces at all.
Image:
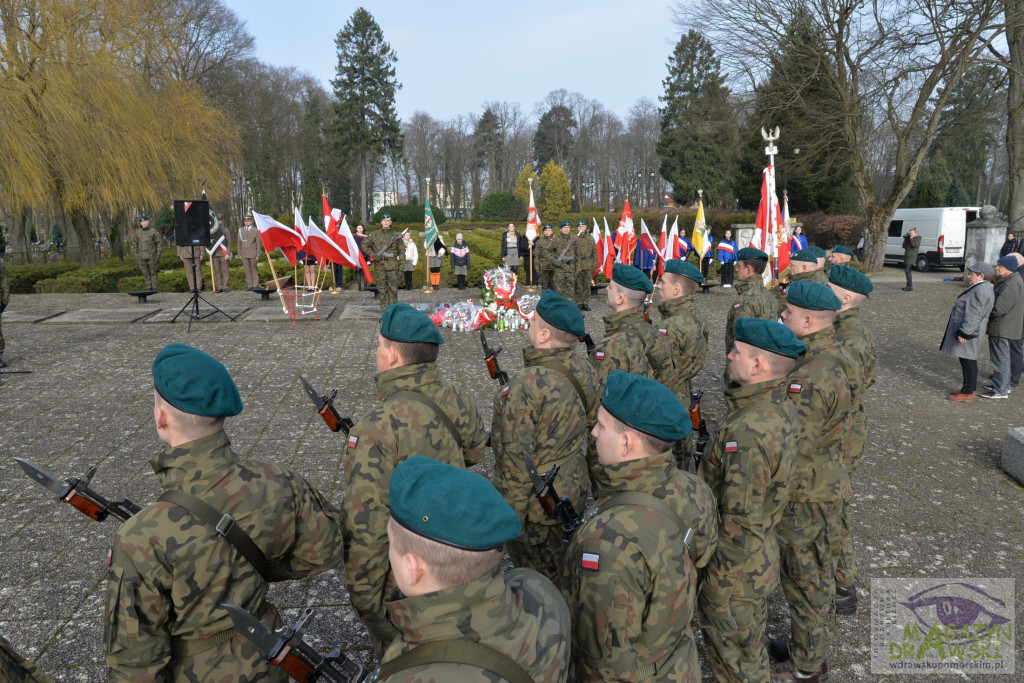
{"x":357,"y":312}
{"x":206,"y":315}
{"x":28,"y":317}
{"x":102,"y":316}
{"x":274,"y":314}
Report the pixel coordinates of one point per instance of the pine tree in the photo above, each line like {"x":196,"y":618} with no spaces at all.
{"x":697,"y":146}
{"x":554,"y":138}
{"x":556,"y":195}
{"x":522,"y":191}
{"x":367,"y":126}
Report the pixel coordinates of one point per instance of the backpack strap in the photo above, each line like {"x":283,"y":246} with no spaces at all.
{"x":441,"y":415}
{"x":222,"y":523}
{"x":457,"y":651}
{"x":564,"y":371}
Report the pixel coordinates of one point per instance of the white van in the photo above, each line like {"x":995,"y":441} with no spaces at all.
{"x":943,"y":233}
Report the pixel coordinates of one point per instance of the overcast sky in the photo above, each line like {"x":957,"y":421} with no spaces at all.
{"x":454,"y":55}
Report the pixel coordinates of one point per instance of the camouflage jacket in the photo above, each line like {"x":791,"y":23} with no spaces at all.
{"x":169,"y":572}
{"x":631,"y":580}
{"x":373,"y":246}
{"x":541,"y":411}
{"x":748,"y":467}
{"x":624,"y":347}
{"x":755,"y":302}
{"x":5,"y":285}
{"x":558,"y":244}
{"x":818,"y":276}
{"x":16,"y":669}
{"x":586,"y":254}
{"x":687,"y":337}
{"x":542,"y":249}
{"x":518,"y":613}
{"x":146,"y":243}
{"x":387,"y":435}
{"x":819,"y":388}
{"x":858,"y":342}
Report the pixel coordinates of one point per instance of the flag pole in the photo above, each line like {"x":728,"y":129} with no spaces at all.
{"x":428,"y":287}
{"x":273,"y":274}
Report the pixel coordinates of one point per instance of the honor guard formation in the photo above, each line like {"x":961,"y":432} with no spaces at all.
{"x":606,"y":535}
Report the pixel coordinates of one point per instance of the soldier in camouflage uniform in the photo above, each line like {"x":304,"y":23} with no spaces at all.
{"x":852,"y":287}
{"x":803,"y":265}
{"x":545,"y":258}
{"x":632,"y":566}
{"x":387,"y":261}
{"x":754,"y":300}
{"x":16,"y":669}
{"x":5,"y":298}
{"x":542,"y":411}
{"x":416,"y":409}
{"x":811,"y":520}
{"x":586,"y":261}
{"x":146,"y":245}
{"x":686,"y":335}
{"x":841,"y":255}
{"x":563,"y":279}
{"x":445,"y":537}
{"x":748,"y":467}
{"x":170,"y":569}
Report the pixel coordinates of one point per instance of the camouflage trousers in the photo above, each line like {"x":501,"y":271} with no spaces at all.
{"x":387,"y":286}
{"x":805,"y":535}
{"x":540,"y":547}
{"x":3,"y":344}
{"x":17,"y":669}
{"x":150,"y":268}
{"x":564,"y":282}
{"x":582,"y":287}
{"x":734,"y":634}
{"x":546,"y":279}
{"x":844,"y":557}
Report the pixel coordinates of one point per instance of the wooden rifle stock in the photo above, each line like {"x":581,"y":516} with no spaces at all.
{"x":85,"y":506}
{"x":294,"y":665}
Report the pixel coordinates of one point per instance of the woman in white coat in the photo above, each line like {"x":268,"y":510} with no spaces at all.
{"x":966,"y":327}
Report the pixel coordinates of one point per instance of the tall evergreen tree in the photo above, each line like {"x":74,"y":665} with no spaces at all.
{"x":367,"y":126}
{"x":556,"y":195}
{"x":697,"y":146}
{"x":554,"y":137}
{"x":487,"y":140}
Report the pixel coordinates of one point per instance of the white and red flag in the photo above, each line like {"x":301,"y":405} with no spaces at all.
{"x":769,"y":217}
{"x":532,"y":219}
{"x":322,"y":247}
{"x":599,"y":243}
{"x":782,"y":257}
{"x":647,"y":240}
{"x":348,"y":242}
{"x":608,"y":262}
{"x":275,"y":235}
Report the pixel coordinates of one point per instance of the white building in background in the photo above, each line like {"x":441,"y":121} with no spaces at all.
{"x":382,"y":198}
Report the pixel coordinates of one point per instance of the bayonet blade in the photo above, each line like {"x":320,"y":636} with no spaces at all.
{"x":531,"y":468}
{"x":311,"y":392}
{"x":41,"y":476}
{"x":267,"y":641}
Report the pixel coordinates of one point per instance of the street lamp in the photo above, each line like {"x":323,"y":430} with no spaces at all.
{"x":653,"y":192}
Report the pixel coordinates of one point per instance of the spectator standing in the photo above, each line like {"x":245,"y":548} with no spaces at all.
{"x":709,"y":256}
{"x":911,"y":243}
{"x":510,"y":249}
{"x":967,"y":323}
{"x":460,"y":260}
{"x":798,"y":240}
{"x":1011,"y":245}
{"x":360,"y":235}
{"x":1004,"y":324}
{"x":435,"y":259}
{"x":727,"y":257}
{"x":412,"y":257}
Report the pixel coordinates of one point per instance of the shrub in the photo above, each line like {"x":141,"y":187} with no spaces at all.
{"x":409,"y":213}
{"x":23,"y":279}
{"x":501,"y":206}
{"x":826,"y":231}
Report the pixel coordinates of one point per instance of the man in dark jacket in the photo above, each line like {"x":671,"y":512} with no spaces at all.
{"x":911,"y":243}
{"x":1004,"y":324}
{"x":1011,"y":245}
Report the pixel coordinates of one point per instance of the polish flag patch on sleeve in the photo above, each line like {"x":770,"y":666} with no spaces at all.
{"x":352,"y":440}
{"x":662,"y":330}
{"x":795,"y":388}
{"x":504,"y":390}
{"x":735,"y":306}
{"x":599,"y":355}
{"x":731,"y":447}
{"x":591,"y":561}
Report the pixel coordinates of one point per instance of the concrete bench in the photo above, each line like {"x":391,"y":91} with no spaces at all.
{"x":1012,"y":461}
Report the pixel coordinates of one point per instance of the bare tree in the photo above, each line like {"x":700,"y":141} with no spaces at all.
{"x":890,"y":63}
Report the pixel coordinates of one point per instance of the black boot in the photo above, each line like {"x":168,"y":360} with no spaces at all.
{"x":846,"y":600}
{"x":462,"y":281}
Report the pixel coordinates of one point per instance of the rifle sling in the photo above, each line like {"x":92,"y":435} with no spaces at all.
{"x":564,"y":371}
{"x":457,"y":651}
{"x":441,"y":415}
{"x":223,"y":524}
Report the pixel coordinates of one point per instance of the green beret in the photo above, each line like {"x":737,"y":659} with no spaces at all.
{"x":564,"y":224}
{"x":581,"y":223}
{"x":559,"y":312}
{"x":813,"y":296}
{"x":144,"y":218}
{"x":195,"y":382}
{"x":386,"y":215}
{"x":817,"y":251}
{"x":842,"y":249}
{"x":684,"y":268}
{"x":548,"y":226}
{"x":403,"y":323}
{"x":769,"y":335}
{"x":750,"y":253}
{"x":805,"y":255}
{"x":851,"y":279}
{"x":646,"y":406}
{"x":450,"y":505}
{"x":631,"y":278}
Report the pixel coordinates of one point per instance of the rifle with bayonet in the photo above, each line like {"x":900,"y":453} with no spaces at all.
{"x":561,"y":257}
{"x":325,"y":408}
{"x":286,"y":648}
{"x":700,"y":425}
{"x":77,"y":494}
{"x":380,"y":254}
{"x":491,"y":359}
{"x":589,"y":342}
{"x":555,"y":506}
{"x":648,"y":301}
